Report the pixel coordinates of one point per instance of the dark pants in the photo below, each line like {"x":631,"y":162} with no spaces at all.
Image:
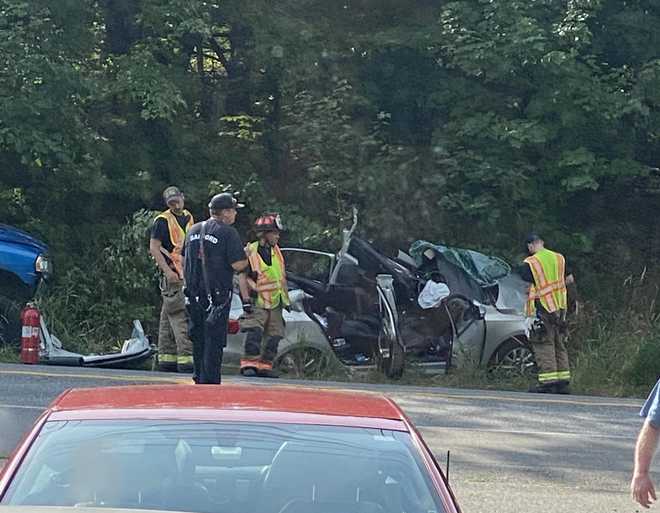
{"x":208,"y":342}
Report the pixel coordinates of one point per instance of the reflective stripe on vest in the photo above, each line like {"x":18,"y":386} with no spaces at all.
{"x":177,"y":237}
{"x":549,"y":287}
{"x":271,"y":279}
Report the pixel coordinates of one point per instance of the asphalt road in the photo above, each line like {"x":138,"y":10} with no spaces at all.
{"x":510,"y":452}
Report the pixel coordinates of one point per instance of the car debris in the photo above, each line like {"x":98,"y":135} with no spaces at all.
{"x":50,"y":351}
{"x":367,"y":305}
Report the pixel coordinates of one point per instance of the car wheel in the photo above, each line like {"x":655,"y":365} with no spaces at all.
{"x":303,"y":362}
{"x":513,"y":358}
{"x":10,"y":323}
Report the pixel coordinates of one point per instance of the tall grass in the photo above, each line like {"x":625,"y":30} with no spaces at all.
{"x":617,"y":352}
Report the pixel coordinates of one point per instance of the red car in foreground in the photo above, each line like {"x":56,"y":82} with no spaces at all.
{"x":228,"y":449}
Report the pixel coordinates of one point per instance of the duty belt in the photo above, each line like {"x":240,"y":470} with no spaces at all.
{"x":213,"y":299}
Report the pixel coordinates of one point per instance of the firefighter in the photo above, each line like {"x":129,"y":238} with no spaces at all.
{"x":166,"y":245}
{"x":547,"y":304}
{"x":267,"y":285}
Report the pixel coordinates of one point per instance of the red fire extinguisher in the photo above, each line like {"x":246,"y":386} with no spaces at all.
{"x":30,"y":319}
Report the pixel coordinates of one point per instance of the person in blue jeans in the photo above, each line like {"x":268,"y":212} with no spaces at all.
{"x":641,"y":486}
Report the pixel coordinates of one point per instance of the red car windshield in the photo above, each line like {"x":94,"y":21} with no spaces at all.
{"x":224,"y":467}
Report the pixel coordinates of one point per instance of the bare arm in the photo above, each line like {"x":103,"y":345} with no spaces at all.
{"x":641,"y":486}
{"x":243,"y":287}
{"x":155,"y":249}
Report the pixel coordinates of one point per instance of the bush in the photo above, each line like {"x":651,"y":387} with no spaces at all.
{"x":91,"y":308}
{"x":644,"y":368}
{"x":617,"y":352}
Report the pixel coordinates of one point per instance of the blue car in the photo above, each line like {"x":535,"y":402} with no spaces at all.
{"x":24,"y":265}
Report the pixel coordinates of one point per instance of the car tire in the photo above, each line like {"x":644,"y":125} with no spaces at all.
{"x":514,"y":357}
{"x":10,"y":323}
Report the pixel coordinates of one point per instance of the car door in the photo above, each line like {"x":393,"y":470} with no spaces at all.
{"x":469,"y":329}
{"x":308,"y":273}
{"x":308,"y":269}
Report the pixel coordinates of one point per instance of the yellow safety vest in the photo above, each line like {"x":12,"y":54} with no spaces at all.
{"x":549,"y":287}
{"x":271,"y":285}
{"x":177,"y":237}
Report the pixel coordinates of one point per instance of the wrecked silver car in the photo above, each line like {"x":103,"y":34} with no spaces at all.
{"x":436,"y":307}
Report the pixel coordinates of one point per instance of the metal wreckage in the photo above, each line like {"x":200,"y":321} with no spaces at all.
{"x":436,"y":306}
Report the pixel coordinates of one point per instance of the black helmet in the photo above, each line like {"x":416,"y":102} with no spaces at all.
{"x":224,"y":200}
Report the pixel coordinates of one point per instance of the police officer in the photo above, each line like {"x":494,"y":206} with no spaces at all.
{"x":166,"y":245}
{"x":546,"y":271}
{"x":213,"y":252}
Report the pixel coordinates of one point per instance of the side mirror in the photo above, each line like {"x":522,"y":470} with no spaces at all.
{"x":298,"y":297}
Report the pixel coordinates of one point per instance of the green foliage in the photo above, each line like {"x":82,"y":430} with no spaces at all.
{"x":615,"y":349}
{"x":468,"y":122}
{"x":643,"y":371}
{"x":91,"y":308}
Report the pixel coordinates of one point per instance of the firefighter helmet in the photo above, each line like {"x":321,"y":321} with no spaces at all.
{"x":268,"y":223}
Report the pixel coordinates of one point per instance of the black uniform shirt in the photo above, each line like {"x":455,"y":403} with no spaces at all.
{"x":222,"y":246}
{"x":265,"y":252}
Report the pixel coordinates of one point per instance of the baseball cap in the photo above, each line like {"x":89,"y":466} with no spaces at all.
{"x":172,"y":192}
{"x":224,"y":200}
{"x":532,"y":237}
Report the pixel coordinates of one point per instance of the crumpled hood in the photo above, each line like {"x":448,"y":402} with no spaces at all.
{"x":483,"y":269}
{"x":484,"y":278}
{"x":16,"y":236}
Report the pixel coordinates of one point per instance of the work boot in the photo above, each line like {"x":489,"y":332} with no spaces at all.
{"x":563,"y":387}
{"x":543,"y":388}
{"x":250,"y":366}
{"x":265,"y":370}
